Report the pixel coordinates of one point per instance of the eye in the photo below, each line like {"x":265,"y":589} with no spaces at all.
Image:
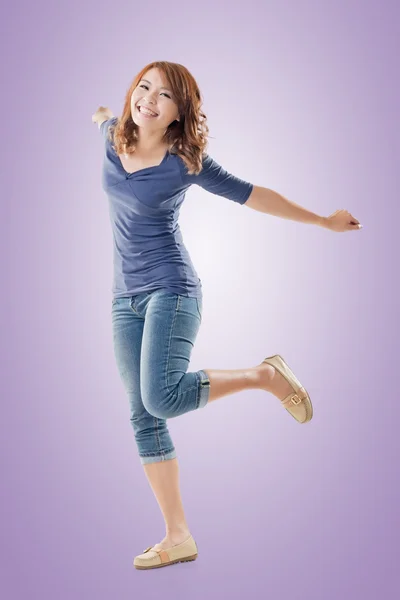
{"x":143,"y":85}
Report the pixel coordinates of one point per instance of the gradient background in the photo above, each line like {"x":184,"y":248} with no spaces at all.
{"x":302,"y":97}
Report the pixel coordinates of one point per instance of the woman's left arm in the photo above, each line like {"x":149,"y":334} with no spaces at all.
{"x":270,"y":202}
{"x":267,"y":201}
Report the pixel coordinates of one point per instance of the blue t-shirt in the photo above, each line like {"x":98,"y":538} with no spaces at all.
{"x":149,"y":252}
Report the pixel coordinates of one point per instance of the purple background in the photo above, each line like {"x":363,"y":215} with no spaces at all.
{"x":302,"y":97}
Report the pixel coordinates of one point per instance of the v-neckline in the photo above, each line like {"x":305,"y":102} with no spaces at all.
{"x":130,"y":174}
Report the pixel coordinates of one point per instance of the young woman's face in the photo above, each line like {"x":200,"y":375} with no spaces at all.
{"x":153,"y":93}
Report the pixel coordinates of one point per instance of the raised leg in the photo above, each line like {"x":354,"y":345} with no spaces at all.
{"x":263,"y":376}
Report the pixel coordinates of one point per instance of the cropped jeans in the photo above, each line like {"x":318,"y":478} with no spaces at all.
{"x":153,"y":337}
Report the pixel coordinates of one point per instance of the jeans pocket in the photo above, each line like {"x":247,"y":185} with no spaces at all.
{"x":199,"y":304}
{"x":188,"y":304}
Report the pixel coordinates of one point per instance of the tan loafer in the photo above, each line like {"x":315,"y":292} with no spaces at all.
{"x":298,"y":403}
{"x":153,"y":559}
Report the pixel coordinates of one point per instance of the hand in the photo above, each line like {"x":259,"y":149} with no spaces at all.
{"x":340,"y":221}
{"x":102,"y":113}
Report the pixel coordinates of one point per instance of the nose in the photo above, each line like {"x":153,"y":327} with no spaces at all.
{"x":149,"y":99}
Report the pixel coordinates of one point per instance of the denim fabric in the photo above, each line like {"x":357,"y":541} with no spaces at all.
{"x":153,"y":337}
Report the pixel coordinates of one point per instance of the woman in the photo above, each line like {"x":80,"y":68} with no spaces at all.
{"x":153,"y":153}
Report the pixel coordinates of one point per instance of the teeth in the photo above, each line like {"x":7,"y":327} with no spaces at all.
{"x":147,"y":112}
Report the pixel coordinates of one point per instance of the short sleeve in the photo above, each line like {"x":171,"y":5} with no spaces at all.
{"x":105,"y":125}
{"x":216,"y":180}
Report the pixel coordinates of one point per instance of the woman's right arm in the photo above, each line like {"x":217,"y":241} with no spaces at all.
{"x":102,"y":114}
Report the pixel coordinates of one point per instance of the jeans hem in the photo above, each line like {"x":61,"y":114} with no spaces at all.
{"x":203,"y":389}
{"x":158,"y":458}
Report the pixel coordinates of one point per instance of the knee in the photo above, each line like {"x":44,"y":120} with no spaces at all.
{"x":159,"y":405}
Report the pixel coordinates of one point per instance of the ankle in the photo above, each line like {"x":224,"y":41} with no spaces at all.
{"x":178,"y":531}
{"x":265,"y":374}
{"x":253,"y":377}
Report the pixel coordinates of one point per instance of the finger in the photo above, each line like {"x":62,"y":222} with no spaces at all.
{"x":353,"y":219}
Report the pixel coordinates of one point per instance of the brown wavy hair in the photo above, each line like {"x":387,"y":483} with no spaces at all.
{"x":188,"y":137}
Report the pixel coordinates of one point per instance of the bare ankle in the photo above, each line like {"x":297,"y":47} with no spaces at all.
{"x":253,"y":378}
{"x":177,"y":530}
{"x":266,"y":375}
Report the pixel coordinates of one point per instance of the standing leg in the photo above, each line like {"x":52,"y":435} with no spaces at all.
{"x":163,"y":478}
{"x":171,"y":326}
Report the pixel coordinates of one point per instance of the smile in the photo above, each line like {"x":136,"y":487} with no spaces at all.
{"x":147,"y":111}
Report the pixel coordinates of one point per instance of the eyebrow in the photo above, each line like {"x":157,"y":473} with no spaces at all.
{"x":163,"y":88}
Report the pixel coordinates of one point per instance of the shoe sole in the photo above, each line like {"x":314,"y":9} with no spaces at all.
{"x":166,"y":564}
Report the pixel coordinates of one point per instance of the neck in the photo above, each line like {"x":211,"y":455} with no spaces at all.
{"x":150,"y":142}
